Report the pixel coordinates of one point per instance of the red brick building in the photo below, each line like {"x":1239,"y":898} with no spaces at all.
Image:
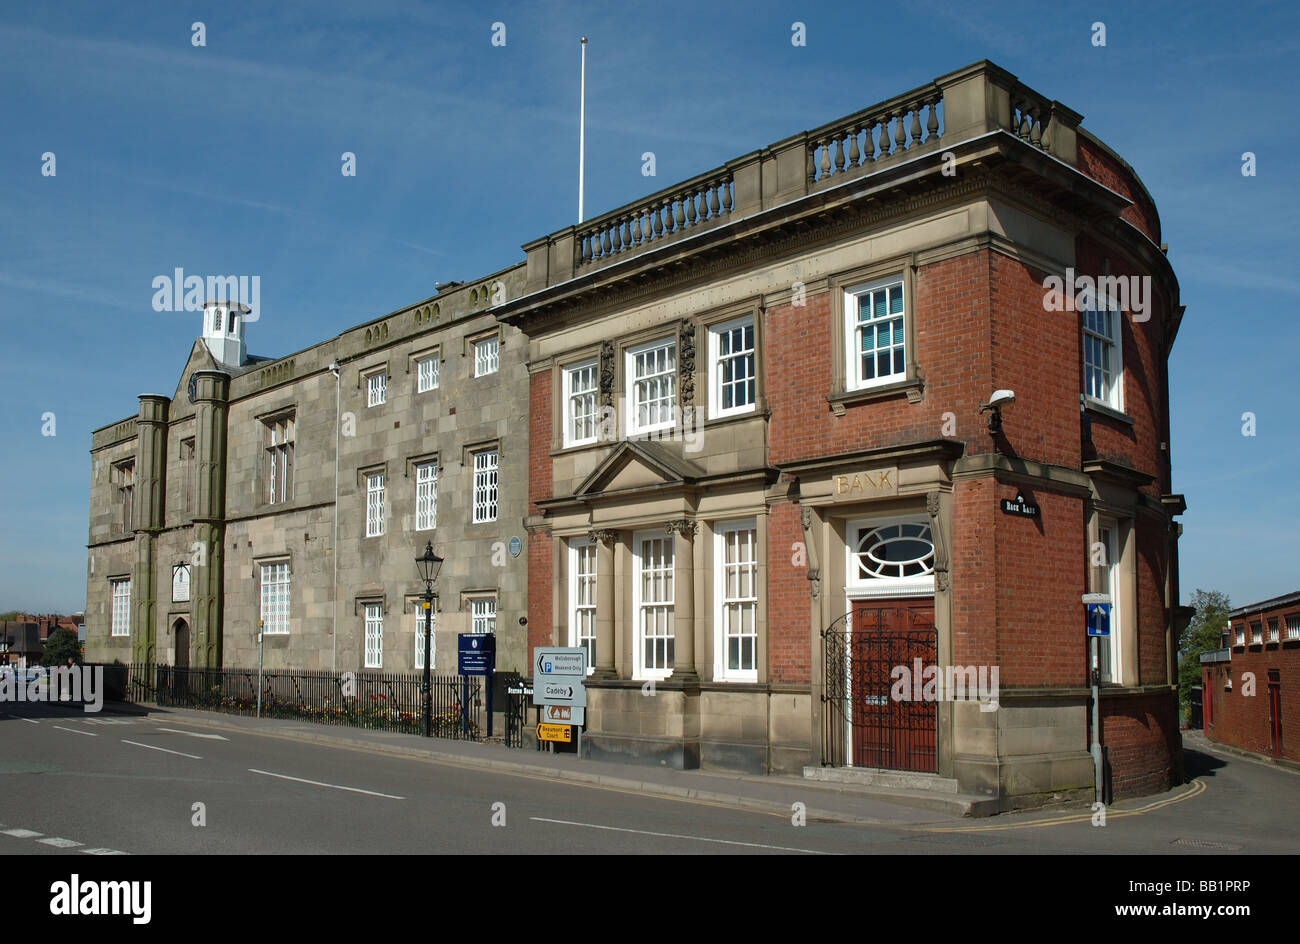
{"x":828,"y":442}
{"x":1251,"y":688}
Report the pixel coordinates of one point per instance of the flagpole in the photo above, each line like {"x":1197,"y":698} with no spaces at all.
{"x":582,"y":129}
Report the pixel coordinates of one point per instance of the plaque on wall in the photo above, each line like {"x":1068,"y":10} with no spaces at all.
{"x":181,"y":583}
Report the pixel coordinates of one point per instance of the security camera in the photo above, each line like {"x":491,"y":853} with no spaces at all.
{"x":334,"y":368}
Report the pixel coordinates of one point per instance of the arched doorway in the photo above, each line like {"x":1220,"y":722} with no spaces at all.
{"x":181,"y":668}
{"x":181,"y":634}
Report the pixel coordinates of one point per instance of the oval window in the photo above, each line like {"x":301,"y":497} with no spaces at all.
{"x":895,"y":550}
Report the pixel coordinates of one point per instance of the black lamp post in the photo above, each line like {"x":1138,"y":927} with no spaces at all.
{"x":427,"y":565}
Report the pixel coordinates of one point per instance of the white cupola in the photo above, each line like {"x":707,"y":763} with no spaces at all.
{"x":223,"y":331}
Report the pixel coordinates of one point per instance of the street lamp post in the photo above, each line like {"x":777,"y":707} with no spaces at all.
{"x":427,"y":565}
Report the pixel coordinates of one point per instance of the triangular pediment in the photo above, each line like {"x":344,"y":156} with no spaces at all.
{"x":635,"y":465}
{"x":200,"y":359}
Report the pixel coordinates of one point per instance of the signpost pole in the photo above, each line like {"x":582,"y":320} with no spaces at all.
{"x":1096,"y":721}
{"x":259,"y":668}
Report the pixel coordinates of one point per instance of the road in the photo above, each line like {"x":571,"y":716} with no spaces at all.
{"x":75,"y":783}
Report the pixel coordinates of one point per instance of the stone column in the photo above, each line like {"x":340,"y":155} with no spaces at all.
{"x":146,"y":522}
{"x":604,"y":541}
{"x":212,"y":390}
{"x":683,"y":531}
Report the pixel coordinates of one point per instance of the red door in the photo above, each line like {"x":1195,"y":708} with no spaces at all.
{"x":888,"y":733}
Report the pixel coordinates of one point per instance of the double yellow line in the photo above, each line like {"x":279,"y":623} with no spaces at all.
{"x":1195,"y":789}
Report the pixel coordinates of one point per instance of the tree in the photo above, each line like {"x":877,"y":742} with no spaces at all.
{"x":62,"y":645}
{"x":9,"y":616}
{"x":1202,"y":634}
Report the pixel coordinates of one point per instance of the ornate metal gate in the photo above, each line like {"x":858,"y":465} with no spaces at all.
{"x":864,"y":724}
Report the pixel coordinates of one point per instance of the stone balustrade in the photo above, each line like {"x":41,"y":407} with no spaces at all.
{"x":964,"y":105}
{"x":668,"y":214}
{"x":850,"y":144}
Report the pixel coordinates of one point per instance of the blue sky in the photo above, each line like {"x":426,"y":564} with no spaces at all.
{"x":226,"y":159}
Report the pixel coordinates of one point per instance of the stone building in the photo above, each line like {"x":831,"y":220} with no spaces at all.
{"x":880,"y":399}
{"x":769,"y":469}
{"x":299,"y":490}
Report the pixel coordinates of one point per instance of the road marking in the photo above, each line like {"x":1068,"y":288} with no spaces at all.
{"x":1196,"y":789}
{"x":22,"y":833}
{"x":100,"y":852}
{"x":317,"y":783}
{"x":89,"y":734}
{"x":195,"y":734}
{"x":165,"y":750}
{"x":28,"y":720}
{"x":643,"y":832}
{"x":60,"y":843}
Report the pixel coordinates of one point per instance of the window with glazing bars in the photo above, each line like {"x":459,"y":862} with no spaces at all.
{"x":374,"y":504}
{"x":485,"y":486}
{"x":275,"y":598}
{"x":374,"y":636}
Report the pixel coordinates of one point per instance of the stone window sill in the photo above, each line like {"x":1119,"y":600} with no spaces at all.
{"x":1101,"y":409}
{"x":912,"y":388}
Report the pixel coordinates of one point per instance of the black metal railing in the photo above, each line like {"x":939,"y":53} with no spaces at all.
{"x":858,"y":660}
{"x":387,"y":701}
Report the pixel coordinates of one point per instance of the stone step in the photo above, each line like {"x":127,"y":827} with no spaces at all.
{"x":886,"y":779}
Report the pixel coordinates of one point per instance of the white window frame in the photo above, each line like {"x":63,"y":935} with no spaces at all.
{"x":426,"y":495}
{"x":723,"y":601}
{"x":1257,"y":632}
{"x":274,"y":586}
{"x":716,"y":379}
{"x":120,"y":598}
{"x":853,"y":378}
{"x":888,"y":586}
{"x":376,"y":388}
{"x":279,"y":454}
{"x":374,"y":649}
{"x":487,"y":355}
{"x":419,"y":636}
{"x":426,"y":380}
{"x":1110,"y":648}
{"x":574,"y":398}
{"x":583,"y":587}
{"x":486,"y":485}
{"x":1241,"y":634}
{"x":374,"y":504}
{"x":667,"y":377}
{"x":1293,"y":626}
{"x":1112,"y":344}
{"x":641,"y":608}
{"x":483,"y":614}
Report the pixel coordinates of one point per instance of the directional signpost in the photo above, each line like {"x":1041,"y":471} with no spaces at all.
{"x":1097,"y":607}
{"x":560,"y":691}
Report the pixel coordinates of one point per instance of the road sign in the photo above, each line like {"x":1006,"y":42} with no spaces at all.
{"x":560,"y":690}
{"x":555,"y":732}
{"x":1098,"y":619}
{"x":566,"y":660}
{"x":1020,"y":507}
{"x":564,"y":714}
{"x":476,"y":653}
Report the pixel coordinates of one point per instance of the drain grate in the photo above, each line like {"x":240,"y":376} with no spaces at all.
{"x":1207,"y":844}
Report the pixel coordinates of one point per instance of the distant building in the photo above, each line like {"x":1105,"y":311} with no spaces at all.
{"x":1251,"y":687}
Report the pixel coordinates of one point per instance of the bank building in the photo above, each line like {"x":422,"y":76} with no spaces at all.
{"x":766,"y":436}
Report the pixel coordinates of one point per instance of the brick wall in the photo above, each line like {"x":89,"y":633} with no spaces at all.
{"x":788,"y":597}
{"x":1106,"y":170}
{"x":1142,"y":740}
{"x":1241,"y":719}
